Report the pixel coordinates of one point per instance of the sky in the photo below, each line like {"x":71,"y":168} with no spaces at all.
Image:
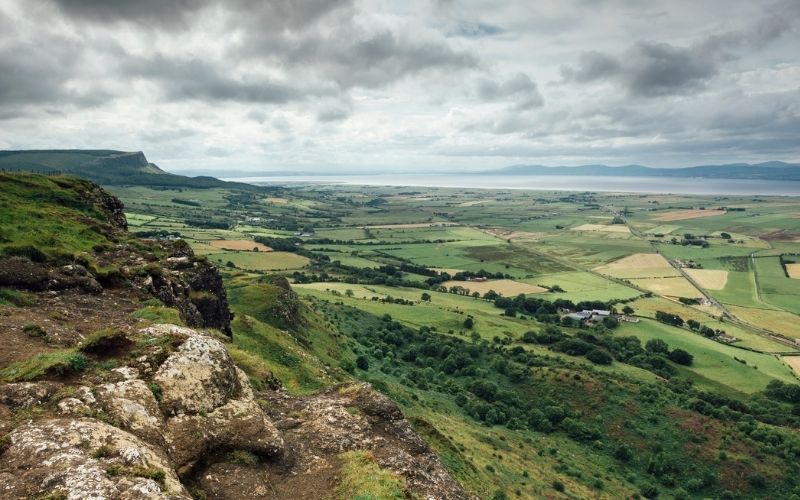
{"x":411,"y":85}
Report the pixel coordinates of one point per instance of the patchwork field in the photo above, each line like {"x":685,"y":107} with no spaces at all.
{"x":793,"y":362}
{"x":688,"y":214}
{"x":712,"y":279}
{"x":639,"y":265}
{"x":507,"y":288}
{"x":247,"y":245}
{"x":714,"y":365}
{"x":774,"y":320}
{"x":677,"y":286}
{"x":411,"y":226}
{"x":261,"y":261}
{"x":793,"y":270}
{"x":612,"y":228}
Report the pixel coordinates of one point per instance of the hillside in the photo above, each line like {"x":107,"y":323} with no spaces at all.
{"x":774,"y":170}
{"x":105,"y":167}
{"x":105,"y":392}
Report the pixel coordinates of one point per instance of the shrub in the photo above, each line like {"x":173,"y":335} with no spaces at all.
{"x":623,"y":453}
{"x":599,"y":357}
{"x":362,"y":363}
{"x":156,"y":390}
{"x":681,"y":357}
{"x":34,"y":330}
{"x":757,"y":480}
{"x":558,"y":486}
{"x":657,"y":346}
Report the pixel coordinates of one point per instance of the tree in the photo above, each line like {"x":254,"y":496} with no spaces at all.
{"x":627,"y":310}
{"x":599,"y":357}
{"x":362,"y":363}
{"x":469,"y":323}
{"x":610,"y":322}
{"x":426,"y":297}
{"x":348,"y":292}
{"x":681,"y":357}
{"x":656,"y":346}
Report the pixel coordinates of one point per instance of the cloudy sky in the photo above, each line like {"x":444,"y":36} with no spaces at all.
{"x":381,"y":85}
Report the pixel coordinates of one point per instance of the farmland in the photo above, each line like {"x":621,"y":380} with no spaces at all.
{"x":501,"y":270}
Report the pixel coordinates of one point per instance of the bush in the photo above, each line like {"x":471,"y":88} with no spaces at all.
{"x":77,"y":362}
{"x":362,"y":363}
{"x":34,"y":330}
{"x":656,"y":346}
{"x":558,"y":486}
{"x":623,"y":453}
{"x":681,"y":357}
{"x":599,"y":357}
{"x":757,"y":480}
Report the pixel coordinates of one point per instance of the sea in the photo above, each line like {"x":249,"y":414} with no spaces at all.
{"x":619,"y":184}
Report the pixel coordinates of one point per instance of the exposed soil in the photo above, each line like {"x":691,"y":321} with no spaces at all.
{"x":64,"y":319}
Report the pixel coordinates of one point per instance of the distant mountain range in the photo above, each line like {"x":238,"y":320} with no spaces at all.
{"x":106,"y":167}
{"x":132,"y":168}
{"x":772,"y":170}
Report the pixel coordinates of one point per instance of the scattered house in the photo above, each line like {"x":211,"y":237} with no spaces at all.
{"x":587,"y":315}
{"x":628,"y":319}
{"x":600,"y":312}
{"x":477,"y":279}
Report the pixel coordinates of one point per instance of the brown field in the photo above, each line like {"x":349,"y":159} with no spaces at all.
{"x":411,"y":226}
{"x":713,"y":279}
{"x":277,"y":201}
{"x":794,"y":362}
{"x":639,"y":265}
{"x":247,"y":245}
{"x":793,"y":270}
{"x":777,"y":321}
{"x":676,"y":286}
{"x":507,"y":288}
{"x":612,"y":228}
{"x":688,"y":214}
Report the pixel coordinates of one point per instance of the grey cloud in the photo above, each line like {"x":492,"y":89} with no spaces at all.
{"x":158,"y":12}
{"x":654,"y":69}
{"x":197,"y":79}
{"x":468,"y":29}
{"x":519,"y":89}
{"x":333,"y":114}
{"x":41,"y":73}
{"x":270,"y":14}
{"x":352,"y":57}
{"x":592,"y":66}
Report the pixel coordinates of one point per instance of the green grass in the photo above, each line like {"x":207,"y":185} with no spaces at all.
{"x":49,"y":364}
{"x":263,"y":351}
{"x":260,"y":261}
{"x":159,"y":314}
{"x":363,"y":479}
{"x":49,"y":214}
{"x":714,"y":361}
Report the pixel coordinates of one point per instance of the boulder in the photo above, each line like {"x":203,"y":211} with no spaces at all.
{"x":84,"y":458}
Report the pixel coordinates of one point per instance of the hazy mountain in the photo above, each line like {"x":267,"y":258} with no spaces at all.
{"x":772,"y":170}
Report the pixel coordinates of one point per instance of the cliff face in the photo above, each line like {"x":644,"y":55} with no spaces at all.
{"x":109,"y":259}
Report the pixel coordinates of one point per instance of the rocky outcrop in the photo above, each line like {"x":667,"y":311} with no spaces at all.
{"x":168,"y":412}
{"x":175,"y":409}
{"x":18,"y":272}
{"x":194,"y":287}
{"x":84,"y":458}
